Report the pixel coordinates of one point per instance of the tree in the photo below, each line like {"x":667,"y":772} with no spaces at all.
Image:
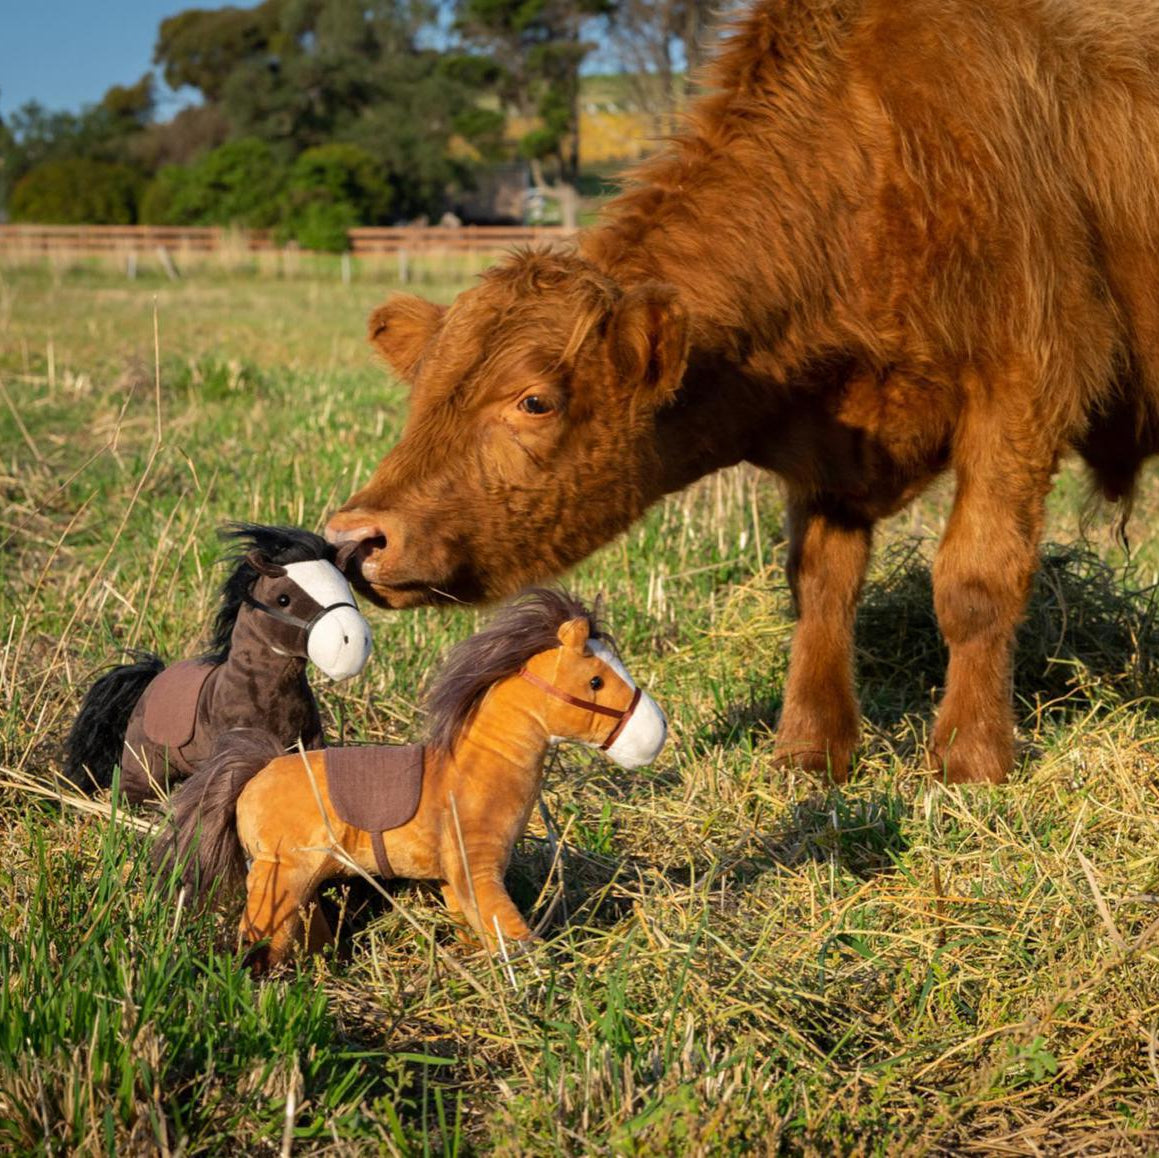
{"x":661,"y":45}
{"x":204,"y":47}
{"x":180,"y":141}
{"x":354,"y":73}
{"x":537,"y":49}
{"x":110,"y":131}
{"x":7,"y":151}
{"x":129,"y":108}
{"x":76,"y":191}
{"x":331,"y":189}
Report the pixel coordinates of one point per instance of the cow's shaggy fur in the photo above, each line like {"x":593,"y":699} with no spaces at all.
{"x":896,"y":237}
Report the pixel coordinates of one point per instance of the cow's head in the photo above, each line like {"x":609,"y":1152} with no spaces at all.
{"x":531,"y":438}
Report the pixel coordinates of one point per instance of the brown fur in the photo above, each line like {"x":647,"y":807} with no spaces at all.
{"x":524,"y":627}
{"x":894,"y":239}
{"x":200,"y":838}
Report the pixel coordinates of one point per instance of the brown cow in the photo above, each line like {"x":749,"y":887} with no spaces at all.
{"x":897,"y":237}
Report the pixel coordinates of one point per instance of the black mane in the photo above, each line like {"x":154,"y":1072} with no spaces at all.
{"x":276,"y":544}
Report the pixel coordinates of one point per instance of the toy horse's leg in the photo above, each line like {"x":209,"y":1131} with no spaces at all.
{"x":475,"y":848}
{"x":276,"y":893}
{"x":451,"y":900}
{"x":496,"y":913}
{"x":464,"y":931}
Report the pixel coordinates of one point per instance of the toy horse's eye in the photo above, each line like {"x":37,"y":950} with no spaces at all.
{"x":534,"y":404}
{"x":283,"y":600}
{"x":595,"y":683}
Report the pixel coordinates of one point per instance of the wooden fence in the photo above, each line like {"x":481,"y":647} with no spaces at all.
{"x":387,"y":241}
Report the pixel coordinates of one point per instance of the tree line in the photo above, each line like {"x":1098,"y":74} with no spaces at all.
{"x":317,"y":115}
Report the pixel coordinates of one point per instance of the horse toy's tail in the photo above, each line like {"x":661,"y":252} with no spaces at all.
{"x":97,"y":736}
{"x":202,"y":837}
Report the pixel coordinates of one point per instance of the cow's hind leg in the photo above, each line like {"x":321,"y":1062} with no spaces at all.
{"x":828,"y":554}
{"x":982,"y":577}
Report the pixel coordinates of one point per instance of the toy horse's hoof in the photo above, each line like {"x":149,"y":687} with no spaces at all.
{"x":257,"y":959}
{"x":513,"y":947}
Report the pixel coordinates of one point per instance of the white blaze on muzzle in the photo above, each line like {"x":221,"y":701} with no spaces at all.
{"x":338,"y":641}
{"x":641,"y":735}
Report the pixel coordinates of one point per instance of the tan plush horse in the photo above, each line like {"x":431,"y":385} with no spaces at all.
{"x":449,"y":811}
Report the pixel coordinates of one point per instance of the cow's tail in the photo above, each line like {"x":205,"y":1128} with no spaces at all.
{"x":97,"y":735}
{"x":201,"y":839}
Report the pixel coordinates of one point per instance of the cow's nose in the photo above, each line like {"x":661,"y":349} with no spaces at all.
{"x":355,"y":533}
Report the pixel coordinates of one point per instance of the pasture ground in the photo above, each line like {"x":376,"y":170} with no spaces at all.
{"x":737,"y":960}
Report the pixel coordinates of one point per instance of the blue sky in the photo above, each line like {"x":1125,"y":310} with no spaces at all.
{"x":66,"y":53}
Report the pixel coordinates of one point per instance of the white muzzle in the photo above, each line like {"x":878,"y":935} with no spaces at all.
{"x":642,"y":737}
{"x":339,"y":642}
{"x":339,"y":638}
{"x":643,"y":733}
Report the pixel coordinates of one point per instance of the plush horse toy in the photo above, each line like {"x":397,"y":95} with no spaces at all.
{"x":284,"y":602}
{"x":448,"y":811}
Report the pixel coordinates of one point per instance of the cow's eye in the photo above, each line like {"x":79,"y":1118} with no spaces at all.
{"x":283,"y":600}
{"x":535,"y":404}
{"x":595,"y":683}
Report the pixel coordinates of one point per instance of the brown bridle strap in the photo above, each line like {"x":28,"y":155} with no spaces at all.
{"x":620,"y":715}
{"x":622,"y":721}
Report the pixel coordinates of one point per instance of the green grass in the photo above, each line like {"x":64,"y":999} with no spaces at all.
{"x":737,"y":959}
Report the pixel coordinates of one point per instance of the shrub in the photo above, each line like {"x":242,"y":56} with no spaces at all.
{"x":76,"y":191}
{"x":324,"y":227}
{"x":161,"y":195}
{"x":332,"y":188}
{"x":238,"y":183}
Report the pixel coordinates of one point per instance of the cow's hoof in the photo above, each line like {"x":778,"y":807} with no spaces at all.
{"x":829,"y":763}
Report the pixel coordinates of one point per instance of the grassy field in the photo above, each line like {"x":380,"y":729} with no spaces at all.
{"x":737,"y":960}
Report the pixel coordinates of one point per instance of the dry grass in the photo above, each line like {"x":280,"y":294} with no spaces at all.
{"x":737,"y":960}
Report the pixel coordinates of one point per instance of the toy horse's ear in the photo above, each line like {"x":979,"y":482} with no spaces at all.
{"x":574,"y":633}
{"x":263,"y":566}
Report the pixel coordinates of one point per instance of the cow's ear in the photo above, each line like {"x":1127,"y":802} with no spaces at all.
{"x":649,"y":340}
{"x":400,"y":330}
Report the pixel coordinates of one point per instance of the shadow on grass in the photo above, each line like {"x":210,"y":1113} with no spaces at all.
{"x":1089,"y":639}
{"x":861,"y":834}
{"x":858,"y":833}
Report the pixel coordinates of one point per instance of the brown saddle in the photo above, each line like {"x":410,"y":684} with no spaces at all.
{"x":170,"y":715}
{"x":375,"y":788}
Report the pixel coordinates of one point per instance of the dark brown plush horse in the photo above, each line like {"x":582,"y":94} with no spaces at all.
{"x":283,"y":602}
{"x":896,"y":238}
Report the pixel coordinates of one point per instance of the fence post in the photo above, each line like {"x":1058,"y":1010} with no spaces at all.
{"x":403,"y":270}
{"x":167,"y":263}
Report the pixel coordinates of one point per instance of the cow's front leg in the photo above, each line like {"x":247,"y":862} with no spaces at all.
{"x":828,"y":554}
{"x":982,"y":576}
